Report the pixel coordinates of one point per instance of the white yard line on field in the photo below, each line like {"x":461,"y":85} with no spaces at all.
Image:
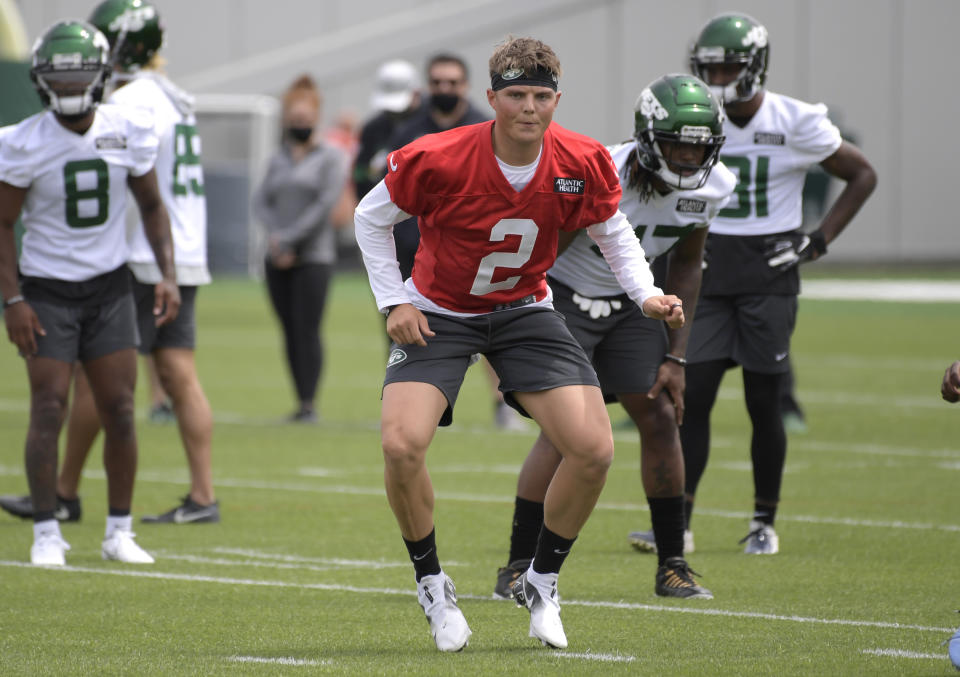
{"x":489,"y":498}
{"x":282,"y":660}
{"x":900,"y":653}
{"x":330,"y":587}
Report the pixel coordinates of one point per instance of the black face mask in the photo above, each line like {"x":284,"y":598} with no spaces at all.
{"x":445,"y":103}
{"x":300,"y":134}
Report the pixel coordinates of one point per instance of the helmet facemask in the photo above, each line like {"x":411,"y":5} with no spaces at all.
{"x":678,"y":131}
{"x":71,"y":93}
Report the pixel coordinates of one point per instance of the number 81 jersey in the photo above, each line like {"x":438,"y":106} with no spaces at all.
{"x":74,"y":212}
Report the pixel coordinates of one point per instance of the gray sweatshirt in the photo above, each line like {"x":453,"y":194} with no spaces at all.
{"x":294,"y":201}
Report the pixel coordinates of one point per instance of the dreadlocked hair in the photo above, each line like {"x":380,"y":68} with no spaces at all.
{"x":639,"y":178}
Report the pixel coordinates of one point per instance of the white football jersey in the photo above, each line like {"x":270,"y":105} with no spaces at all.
{"x":770,"y":157}
{"x":179,"y":175}
{"x":74,"y":212}
{"x":659,"y":222}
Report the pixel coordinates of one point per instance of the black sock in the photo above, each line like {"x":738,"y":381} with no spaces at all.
{"x":764,"y":513}
{"x":666,"y":515}
{"x":527,"y":520}
{"x":423,"y":554}
{"x":687,"y":513}
{"x":117,"y":512}
{"x":551,"y":551}
{"x":43,"y":515}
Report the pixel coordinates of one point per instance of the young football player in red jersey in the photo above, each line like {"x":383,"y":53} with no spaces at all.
{"x":493,"y":199}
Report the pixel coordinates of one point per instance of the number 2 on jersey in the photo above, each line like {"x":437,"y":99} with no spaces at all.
{"x":99,"y":192}
{"x":527,"y":230}
{"x":742,"y":191}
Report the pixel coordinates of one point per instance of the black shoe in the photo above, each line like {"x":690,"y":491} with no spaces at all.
{"x":675,"y":579}
{"x":188,"y":512}
{"x":22,"y":507}
{"x":506,"y":577}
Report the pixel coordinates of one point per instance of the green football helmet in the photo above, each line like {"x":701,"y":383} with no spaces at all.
{"x":733,"y":39}
{"x":679,"y":109}
{"x":133,"y":28}
{"x":70,"y":66}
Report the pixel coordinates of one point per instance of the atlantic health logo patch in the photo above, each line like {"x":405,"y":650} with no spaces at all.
{"x":396,"y":357}
{"x":563,"y":184}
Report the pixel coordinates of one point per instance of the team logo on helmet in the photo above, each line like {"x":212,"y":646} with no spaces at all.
{"x":756,"y":36}
{"x":649,"y":106}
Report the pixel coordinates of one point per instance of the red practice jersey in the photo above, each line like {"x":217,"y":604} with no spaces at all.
{"x":482,"y":243}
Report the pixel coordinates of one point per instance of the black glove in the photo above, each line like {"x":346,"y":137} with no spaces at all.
{"x":786,"y":250}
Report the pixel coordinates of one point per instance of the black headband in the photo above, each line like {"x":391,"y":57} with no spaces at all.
{"x":541,"y":77}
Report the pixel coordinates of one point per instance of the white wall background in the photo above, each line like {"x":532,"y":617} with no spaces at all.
{"x":884,"y":65}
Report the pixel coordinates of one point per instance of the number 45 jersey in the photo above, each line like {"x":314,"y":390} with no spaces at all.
{"x":660,"y":223}
{"x":179,"y":176}
{"x":74,"y":212}
{"x":771,"y":156}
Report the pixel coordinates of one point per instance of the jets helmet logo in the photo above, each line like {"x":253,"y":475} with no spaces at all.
{"x":650,"y":106}
{"x":757,"y":36}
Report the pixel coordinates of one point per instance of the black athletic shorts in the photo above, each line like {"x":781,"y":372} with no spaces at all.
{"x":86,"y":332}
{"x":181,"y":333}
{"x":753,"y":330}
{"x":625,"y":347}
{"x":531,"y":350}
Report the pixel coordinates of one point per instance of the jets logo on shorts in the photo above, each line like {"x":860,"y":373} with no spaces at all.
{"x":396,"y":357}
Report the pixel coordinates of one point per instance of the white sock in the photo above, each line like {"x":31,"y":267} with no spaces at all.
{"x":124,"y":523}
{"x":45,"y":528}
{"x":544,"y":581}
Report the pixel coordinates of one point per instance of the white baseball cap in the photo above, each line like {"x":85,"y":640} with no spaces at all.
{"x":395,"y":86}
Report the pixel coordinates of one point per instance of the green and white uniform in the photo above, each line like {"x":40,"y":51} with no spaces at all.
{"x":179,"y":176}
{"x":75,"y":208}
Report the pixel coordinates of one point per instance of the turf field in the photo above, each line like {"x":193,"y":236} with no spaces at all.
{"x":307,"y":573}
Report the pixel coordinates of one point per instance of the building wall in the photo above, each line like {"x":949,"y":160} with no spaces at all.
{"x":879,"y":64}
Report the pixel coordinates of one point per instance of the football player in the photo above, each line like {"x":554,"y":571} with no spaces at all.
{"x":492,"y":199}
{"x":135,"y":33}
{"x":672,"y":189}
{"x":748,"y":298}
{"x":68,"y":169}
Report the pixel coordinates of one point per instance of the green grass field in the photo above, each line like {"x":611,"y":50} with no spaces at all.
{"x":307,"y":573}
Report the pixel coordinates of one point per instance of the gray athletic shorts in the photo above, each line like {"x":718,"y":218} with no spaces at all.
{"x":531,"y":350}
{"x":752,"y":330}
{"x":181,"y":333}
{"x":84,"y":333}
{"x":625,"y":347}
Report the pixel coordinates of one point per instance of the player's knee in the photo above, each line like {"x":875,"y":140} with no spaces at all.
{"x":117,"y":416}
{"x":47,"y":411}
{"x":402,"y":451}
{"x":595,"y":459}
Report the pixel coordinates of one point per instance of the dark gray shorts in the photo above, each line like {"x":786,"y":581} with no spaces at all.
{"x":625,"y":347}
{"x":84,"y":333}
{"x":752,"y":330}
{"x":181,"y":333}
{"x":531,"y":350}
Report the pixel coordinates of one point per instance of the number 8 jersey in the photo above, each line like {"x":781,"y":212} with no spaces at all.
{"x":74,"y":212}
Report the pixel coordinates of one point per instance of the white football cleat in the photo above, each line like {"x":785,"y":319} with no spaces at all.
{"x":544,"y":606}
{"x":762,"y":539}
{"x":47,"y":550}
{"x":120,"y":546}
{"x":438,"y":597}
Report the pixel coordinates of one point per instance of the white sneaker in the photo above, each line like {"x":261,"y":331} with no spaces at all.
{"x":438,"y":597}
{"x":762,"y":539}
{"x":120,"y":546}
{"x":47,"y":550}
{"x":645,"y":542}
{"x":544,"y":606}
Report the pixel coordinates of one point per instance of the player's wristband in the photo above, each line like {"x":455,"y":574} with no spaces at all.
{"x":386,"y":313}
{"x":682,"y":361}
{"x":13,"y":300}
